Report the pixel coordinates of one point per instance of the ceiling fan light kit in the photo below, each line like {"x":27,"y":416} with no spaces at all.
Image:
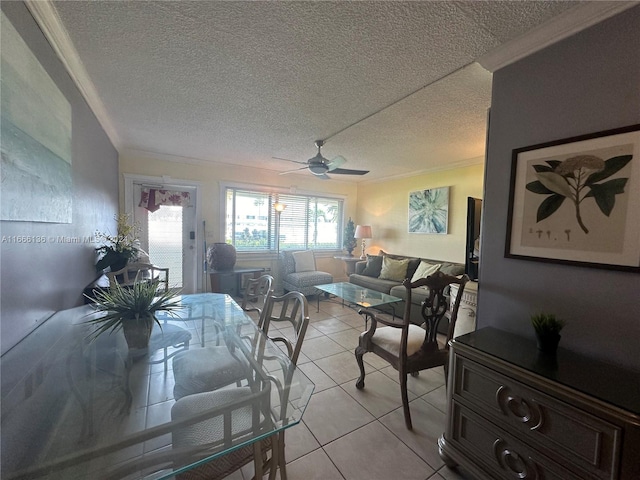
{"x":320,"y":166}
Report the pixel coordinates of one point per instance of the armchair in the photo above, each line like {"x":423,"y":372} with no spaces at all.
{"x":299,"y":272}
{"x":406,"y":346}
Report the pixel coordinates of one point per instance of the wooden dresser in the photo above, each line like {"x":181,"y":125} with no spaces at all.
{"x":515,"y":413}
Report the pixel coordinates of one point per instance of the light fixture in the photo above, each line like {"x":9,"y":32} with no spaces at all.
{"x":279,"y":208}
{"x":363,"y":232}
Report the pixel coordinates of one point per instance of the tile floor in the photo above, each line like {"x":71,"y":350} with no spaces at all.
{"x":347,"y":433}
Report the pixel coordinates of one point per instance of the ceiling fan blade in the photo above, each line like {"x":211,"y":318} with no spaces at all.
{"x":287,"y":160}
{"x":336,"y":162}
{"x":324,"y":176}
{"x":346,"y":171}
{"x":294,"y":170}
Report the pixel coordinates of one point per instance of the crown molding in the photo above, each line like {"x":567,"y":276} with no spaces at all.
{"x":47,"y":18}
{"x":558,"y":28}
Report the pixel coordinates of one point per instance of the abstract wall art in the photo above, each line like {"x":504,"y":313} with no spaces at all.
{"x":35,"y":137}
{"x":429,"y":210}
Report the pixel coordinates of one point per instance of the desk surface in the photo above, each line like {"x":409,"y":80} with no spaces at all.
{"x":358,"y":295}
{"x":91,"y":412}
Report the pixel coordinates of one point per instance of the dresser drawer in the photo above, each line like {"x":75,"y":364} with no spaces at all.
{"x":500,"y":454}
{"x":558,"y":430}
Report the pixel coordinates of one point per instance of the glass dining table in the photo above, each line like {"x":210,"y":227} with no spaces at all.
{"x":76,"y":409}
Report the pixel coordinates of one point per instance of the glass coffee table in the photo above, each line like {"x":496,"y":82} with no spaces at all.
{"x":356,"y":295}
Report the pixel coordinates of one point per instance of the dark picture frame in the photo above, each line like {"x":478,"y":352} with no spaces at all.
{"x":576,"y":201}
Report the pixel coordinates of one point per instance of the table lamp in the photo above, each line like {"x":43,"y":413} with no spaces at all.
{"x":363,"y":232}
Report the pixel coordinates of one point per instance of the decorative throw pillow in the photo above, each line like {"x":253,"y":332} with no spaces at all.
{"x":305,"y":261}
{"x":373,"y":267}
{"x":424,"y":270}
{"x":452,"y":269}
{"x":393,"y":269}
{"x":413,"y":265}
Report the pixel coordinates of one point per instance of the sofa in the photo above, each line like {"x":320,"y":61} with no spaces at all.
{"x":299,"y":273}
{"x":387,"y":276}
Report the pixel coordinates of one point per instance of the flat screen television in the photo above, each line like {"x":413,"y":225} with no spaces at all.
{"x":472,"y":256}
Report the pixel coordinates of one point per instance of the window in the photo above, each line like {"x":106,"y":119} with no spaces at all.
{"x":307,"y":222}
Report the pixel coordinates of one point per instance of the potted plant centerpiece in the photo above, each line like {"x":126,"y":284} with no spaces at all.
{"x":132,"y":309}
{"x":118,"y":249}
{"x":349,"y":240}
{"x":547,"y":327}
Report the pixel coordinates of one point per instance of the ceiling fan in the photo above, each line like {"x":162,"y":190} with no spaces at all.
{"x":320,"y":166}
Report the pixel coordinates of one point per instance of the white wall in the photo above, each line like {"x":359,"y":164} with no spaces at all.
{"x":213,"y":175}
{"x":384,"y":206}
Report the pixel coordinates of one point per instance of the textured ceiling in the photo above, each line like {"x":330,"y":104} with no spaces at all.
{"x":240,"y":82}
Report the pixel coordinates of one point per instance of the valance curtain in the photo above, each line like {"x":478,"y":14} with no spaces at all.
{"x":153,"y":198}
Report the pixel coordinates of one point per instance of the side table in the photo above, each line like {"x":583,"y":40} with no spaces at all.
{"x":230,"y":281}
{"x":350,"y":262}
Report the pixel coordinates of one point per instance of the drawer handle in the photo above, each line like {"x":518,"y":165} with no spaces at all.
{"x":526,"y":412}
{"x":513,"y":462}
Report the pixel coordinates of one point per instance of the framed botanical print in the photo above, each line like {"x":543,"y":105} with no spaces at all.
{"x":577,"y":201}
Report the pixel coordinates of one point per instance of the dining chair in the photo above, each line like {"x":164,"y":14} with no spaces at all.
{"x":282,"y":312}
{"x":137,"y":271}
{"x":410,"y":348}
{"x":255,"y":293}
{"x":169,"y":336}
{"x":209,"y":368}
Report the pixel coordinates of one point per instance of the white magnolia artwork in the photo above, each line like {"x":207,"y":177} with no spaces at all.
{"x":577,"y":200}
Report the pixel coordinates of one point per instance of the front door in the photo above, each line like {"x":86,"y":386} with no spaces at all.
{"x":168,"y":233}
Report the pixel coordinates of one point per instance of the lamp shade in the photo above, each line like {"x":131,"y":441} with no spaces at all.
{"x":363,"y":231}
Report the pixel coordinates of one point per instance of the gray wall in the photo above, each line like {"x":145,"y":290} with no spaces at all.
{"x":587,"y":83}
{"x":38,"y":279}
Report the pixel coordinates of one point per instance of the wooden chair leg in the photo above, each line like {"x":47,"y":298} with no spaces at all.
{"x":359,"y":354}
{"x":405,"y":400}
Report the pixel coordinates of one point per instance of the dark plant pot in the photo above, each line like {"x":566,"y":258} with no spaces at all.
{"x":548,"y":342}
{"x":119,"y":264}
{"x":137,"y":334}
{"x":113,"y":260}
{"x":221,"y":256}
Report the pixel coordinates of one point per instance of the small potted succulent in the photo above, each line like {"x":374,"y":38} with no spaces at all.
{"x":132,"y":309}
{"x":547,"y":327}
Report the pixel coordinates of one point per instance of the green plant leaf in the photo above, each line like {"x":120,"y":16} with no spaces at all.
{"x":553,"y":163}
{"x":556,"y":183}
{"x":605,"y":194}
{"x":538,"y":187}
{"x":118,"y":305}
{"x":542,"y":168}
{"x":611,"y":166}
{"x":549,"y":206}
